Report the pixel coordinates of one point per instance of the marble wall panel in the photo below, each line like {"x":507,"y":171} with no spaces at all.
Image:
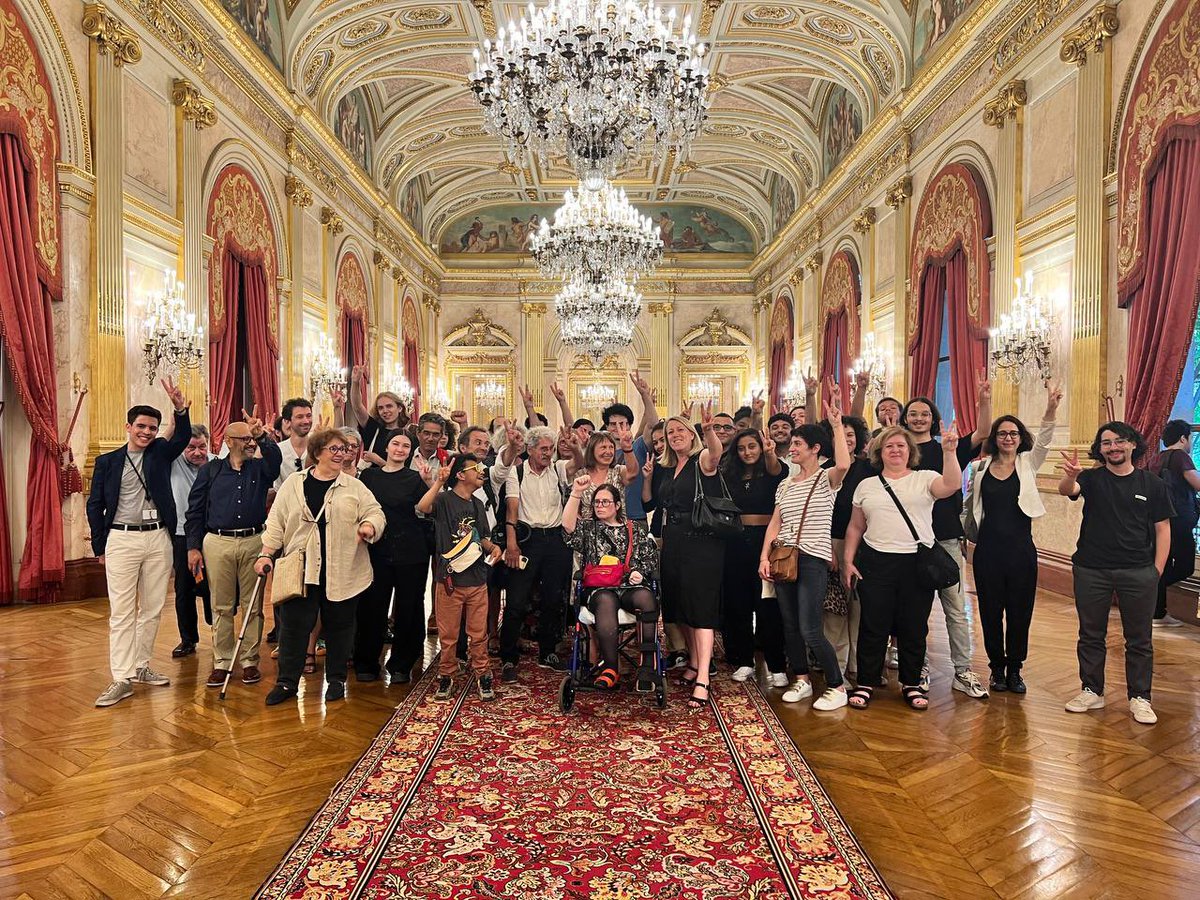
{"x":1058,"y":530}
{"x":149,"y":143}
{"x":314,"y":261}
{"x":1049,"y":153}
{"x":885,"y":249}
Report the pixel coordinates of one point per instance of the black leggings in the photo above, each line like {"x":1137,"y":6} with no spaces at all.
{"x":604,"y":604}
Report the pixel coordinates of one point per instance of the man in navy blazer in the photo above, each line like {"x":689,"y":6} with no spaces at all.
{"x":131,"y":512}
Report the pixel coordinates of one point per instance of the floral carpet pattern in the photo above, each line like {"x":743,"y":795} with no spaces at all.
{"x":512,"y":800}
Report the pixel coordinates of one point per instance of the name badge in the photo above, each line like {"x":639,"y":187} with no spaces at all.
{"x":149,"y":515}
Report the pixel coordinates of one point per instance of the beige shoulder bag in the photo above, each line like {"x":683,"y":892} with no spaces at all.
{"x":288,"y":583}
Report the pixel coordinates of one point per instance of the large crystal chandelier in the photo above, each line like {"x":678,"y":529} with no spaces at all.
{"x":591,"y":80}
{"x":597,"y":396}
{"x":326,"y":374}
{"x":398,"y":384}
{"x":171,"y":340}
{"x":489,"y":395}
{"x":874,"y":362}
{"x":597,"y":232}
{"x":439,"y":400}
{"x":1022,"y":345}
{"x":598,"y":316}
{"x":702,"y":391}
{"x":793,"y":392}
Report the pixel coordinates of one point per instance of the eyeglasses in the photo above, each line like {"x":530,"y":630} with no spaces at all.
{"x":473,"y":467}
{"x":236,"y":437}
{"x":604,"y":502}
{"x":432,"y":435}
{"x":1010,"y":435}
{"x":722,"y":428}
{"x":1116,"y":442}
{"x":337,"y":449}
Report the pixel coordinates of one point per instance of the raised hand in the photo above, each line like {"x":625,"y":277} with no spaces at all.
{"x":648,"y":466}
{"x":767,"y":444}
{"x":639,"y":383}
{"x":983,"y":387}
{"x":950,"y":438}
{"x":1070,"y":464}
{"x":255,"y":423}
{"x":526,"y":396}
{"x":557,"y":392}
{"x":337,"y":397}
{"x":459,"y":418}
{"x":686,"y":413}
{"x":175,"y":395}
{"x":862,"y":378}
{"x":706,"y":416}
{"x":1054,"y":395}
{"x":757,"y":403}
{"x":833,"y":409}
{"x":515,"y":437}
{"x":582,"y":482}
{"x":443,"y":475}
{"x":624,"y":437}
{"x":810,"y":381}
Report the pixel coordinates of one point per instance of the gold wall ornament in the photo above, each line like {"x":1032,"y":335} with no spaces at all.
{"x":533,"y":309}
{"x":1030,"y":28}
{"x":707,"y":14}
{"x":332,"y":221}
{"x":479,"y":331}
{"x":660,"y":309}
{"x":1006,"y":104}
{"x":196,"y":108}
{"x":813,"y":263}
{"x":350,"y":292}
{"x":397,"y":273}
{"x":484,"y":8}
{"x":899,"y":192}
{"x":1100,"y":24}
{"x":382,"y":263}
{"x":864,"y":221}
{"x":175,"y":33}
{"x":782,"y":323}
{"x":111,"y":35}
{"x":294,"y":190}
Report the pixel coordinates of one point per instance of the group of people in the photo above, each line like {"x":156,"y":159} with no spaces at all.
{"x":805,"y":537}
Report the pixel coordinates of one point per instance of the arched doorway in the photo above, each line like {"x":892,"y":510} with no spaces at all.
{"x":782,"y":353}
{"x":841,"y":297}
{"x":350,"y":297}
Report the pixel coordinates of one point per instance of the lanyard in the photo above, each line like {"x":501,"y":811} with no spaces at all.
{"x":136,"y":472}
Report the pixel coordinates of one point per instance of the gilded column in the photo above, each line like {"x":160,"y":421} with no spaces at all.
{"x":1006,"y":112}
{"x":300,"y":198}
{"x":811,"y":312}
{"x":193,"y":113}
{"x":762,"y":338}
{"x":898,"y":197}
{"x":1088,"y":46}
{"x":382,"y":322}
{"x":864,"y":224}
{"x":113,"y":46}
{"x":533,"y":347}
{"x":431,"y":346}
{"x":660,"y":356}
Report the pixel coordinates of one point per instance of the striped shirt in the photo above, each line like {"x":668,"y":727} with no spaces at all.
{"x":790,"y":499}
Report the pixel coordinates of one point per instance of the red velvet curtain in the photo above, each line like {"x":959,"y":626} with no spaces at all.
{"x":924,"y":352}
{"x":6,"y":570}
{"x":412,"y":373}
{"x":1162,"y":311}
{"x":355,"y":351}
{"x":262,"y":362}
{"x":968,"y":343}
{"x":28,"y":330}
{"x":778,"y":374}
{"x":835,"y":353}
{"x":222,"y":354}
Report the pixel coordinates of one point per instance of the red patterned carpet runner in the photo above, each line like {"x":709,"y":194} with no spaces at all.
{"x":512,"y":800}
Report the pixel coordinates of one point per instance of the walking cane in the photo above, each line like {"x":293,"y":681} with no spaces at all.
{"x":242,"y":634}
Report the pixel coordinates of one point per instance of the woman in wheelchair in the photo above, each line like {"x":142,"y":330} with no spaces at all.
{"x":610,"y":534}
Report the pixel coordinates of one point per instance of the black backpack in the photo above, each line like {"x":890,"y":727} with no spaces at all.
{"x":1182,"y":494}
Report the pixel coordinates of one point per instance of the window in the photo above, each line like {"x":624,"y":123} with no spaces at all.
{"x":943,"y":394}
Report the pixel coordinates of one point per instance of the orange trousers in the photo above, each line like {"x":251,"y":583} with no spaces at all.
{"x":449,"y":608}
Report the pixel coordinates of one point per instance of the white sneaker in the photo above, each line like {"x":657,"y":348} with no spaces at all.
{"x":968,"y":682}
{"x":800,"y":690}
{"x":893,"y":657}
{"x":146,"y":675}
{"x":115,"y":693}
{"x":743,"y":673}
{"x":1142,"y":711}
{"x":1167,"y":621}
{"x":777,"y":679}
{"x":1086,"y":700}
{"x":833,"y":698}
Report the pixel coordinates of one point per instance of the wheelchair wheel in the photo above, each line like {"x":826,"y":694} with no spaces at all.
{"x":566,"y":695}
{"x":660,"y":693}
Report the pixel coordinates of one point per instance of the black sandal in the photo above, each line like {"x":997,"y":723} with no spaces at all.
{"x":310,"y":663}
{"x":860,"y":697}
{"x":689,"y":682}
{"x":916,"y":697}
{"x":694,"y":702}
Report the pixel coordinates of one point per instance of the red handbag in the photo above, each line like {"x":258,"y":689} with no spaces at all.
{"x":596,"y":575}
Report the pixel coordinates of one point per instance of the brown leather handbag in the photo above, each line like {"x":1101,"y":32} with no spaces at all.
{"x":784,"y":561}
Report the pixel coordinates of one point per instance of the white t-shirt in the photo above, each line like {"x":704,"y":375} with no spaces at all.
{"x":886,"y":531}
{"x":790,"y":498}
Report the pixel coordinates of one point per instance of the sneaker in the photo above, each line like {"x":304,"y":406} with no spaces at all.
{"x":1142,"y":711}
{"x":1086,"y":700}
{"x":508,"y":673}
{"x":893,"y":657}
{"x":115,"y":693}
{"x":743,"y":673}
{"x":777,"y":680}
{"x":800,"y":690}
{"x":831,"y":699}
{"x":336,"y":690}
{"x":279,"y":693}
{"x":487,"y":690}
{"x":1167,"y":621}
{"x":676,"y":659}
{"x":552,"y":661}
{"x":999,"y":680}
{"x":146,"y":675}
{"x":444,"y":688}
{"x":400,"y":677}
{"x":968,"y":682}
{"x":216,"y":678}
{"x":923,"y":684}
{"x":251,"y":675}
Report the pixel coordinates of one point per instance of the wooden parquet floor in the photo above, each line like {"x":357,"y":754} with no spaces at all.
{"x":173,"y":794}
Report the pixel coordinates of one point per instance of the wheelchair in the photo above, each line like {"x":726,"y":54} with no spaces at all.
{"x":579,"y":668}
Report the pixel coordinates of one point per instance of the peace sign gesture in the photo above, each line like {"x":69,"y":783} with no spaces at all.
{"x":558,"y":392}
{"x":768,"y":445}
{"x":255,"y":423}
{"x":706,"y":416}
{"x":1070,"y":464}
{"x":757,"y":403}
{"x":950,"y":438}
{"x":833,"y":409}
{"x":810,"y":382}
{"x":983,"y":387}
{"x":179,"y":401}
{"x":648,"y":466}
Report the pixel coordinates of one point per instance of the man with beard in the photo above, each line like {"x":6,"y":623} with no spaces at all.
{"x":183,"y":475}
{"x":724,"y":429}
{"x":298,"y":422}
{"x":1124,"y":542}
{"x":779,"y":430}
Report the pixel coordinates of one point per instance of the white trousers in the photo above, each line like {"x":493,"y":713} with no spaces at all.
{"x":137,"y":567}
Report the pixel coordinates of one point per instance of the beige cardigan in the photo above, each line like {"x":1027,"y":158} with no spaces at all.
{"x":291,"y":526}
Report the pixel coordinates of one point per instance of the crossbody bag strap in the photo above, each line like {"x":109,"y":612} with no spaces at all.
{"x":807,"y":500}
{"x":907,"y":521}
{"x":629,"y":547}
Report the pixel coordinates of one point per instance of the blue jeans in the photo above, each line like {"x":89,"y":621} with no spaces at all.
{"x":802,"y":606}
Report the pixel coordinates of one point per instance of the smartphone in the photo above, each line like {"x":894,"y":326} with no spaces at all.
{"x":524,"y":561}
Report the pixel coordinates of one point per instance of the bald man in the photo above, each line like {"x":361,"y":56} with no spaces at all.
{"x":227,"y":509}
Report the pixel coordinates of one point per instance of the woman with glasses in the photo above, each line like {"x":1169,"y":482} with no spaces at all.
{"x":353,"y":456}
{"x":400,"y":561}
{"x":1003,"y":499}
{"x":331,"y":517}
{"x":599,"y":462}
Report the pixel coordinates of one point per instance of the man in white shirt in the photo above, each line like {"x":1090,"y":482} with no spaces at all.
{"x":533,"y":529}
{"x":298,"y":414}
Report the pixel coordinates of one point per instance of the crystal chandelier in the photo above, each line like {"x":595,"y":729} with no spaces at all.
{"x":1022,"y":344}
{"x":439,"y":401}
{"x":591,"y":79}
{"x":598,"y":317}
{"x":703,"y":390}
{"x":597,"y":396}
{"x":874,"y":362}
{"x":793,"y":393}
{"x":597,"y":232}
{"x":398,"y":384}
{"x":489,"y":396}
{"x":326,"y":374}
{"x":172,"y":341}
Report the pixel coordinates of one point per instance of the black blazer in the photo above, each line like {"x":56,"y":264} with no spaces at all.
{"x":156,"y":469}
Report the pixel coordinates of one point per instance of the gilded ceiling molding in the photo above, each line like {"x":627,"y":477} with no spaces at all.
{"x":300,"y":155}
{"x":1165,"y":99}
{"x":186,"y":41}
{"x":707,"y":14}
{"x":813,"y":263}
{"x":1006,"y":104}
{"x":484,"y":8}
{"x":111,"y":35}
{"x":196,"y":108}
{"x":1098,"y":26}
{"x":899,"y":192}
{"x":294,"y":190}
{"x":864,"y":221}
{"x":332,"y":221}
{"x":382,"y":263}
{"x":397,"y":273}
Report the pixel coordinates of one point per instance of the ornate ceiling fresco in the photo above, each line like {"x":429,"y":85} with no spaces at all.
{"x":795,"y":83}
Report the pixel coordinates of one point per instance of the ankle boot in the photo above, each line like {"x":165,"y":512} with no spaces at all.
{"x":998,"y":680}
{"x":1016,"y":684}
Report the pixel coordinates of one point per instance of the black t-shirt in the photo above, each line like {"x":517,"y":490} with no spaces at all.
{"x":1119,"y":517}
{"x":315,"y":490}
{"x":946,"y":523}
{"x":1004,"y":522}
{"x":455,"y":518}
{"x":843,"y":500}
{"x":756,"y":496}
{"x":398,"y":492}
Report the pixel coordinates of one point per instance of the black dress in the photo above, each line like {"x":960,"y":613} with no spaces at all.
{"x":693,"y":565}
